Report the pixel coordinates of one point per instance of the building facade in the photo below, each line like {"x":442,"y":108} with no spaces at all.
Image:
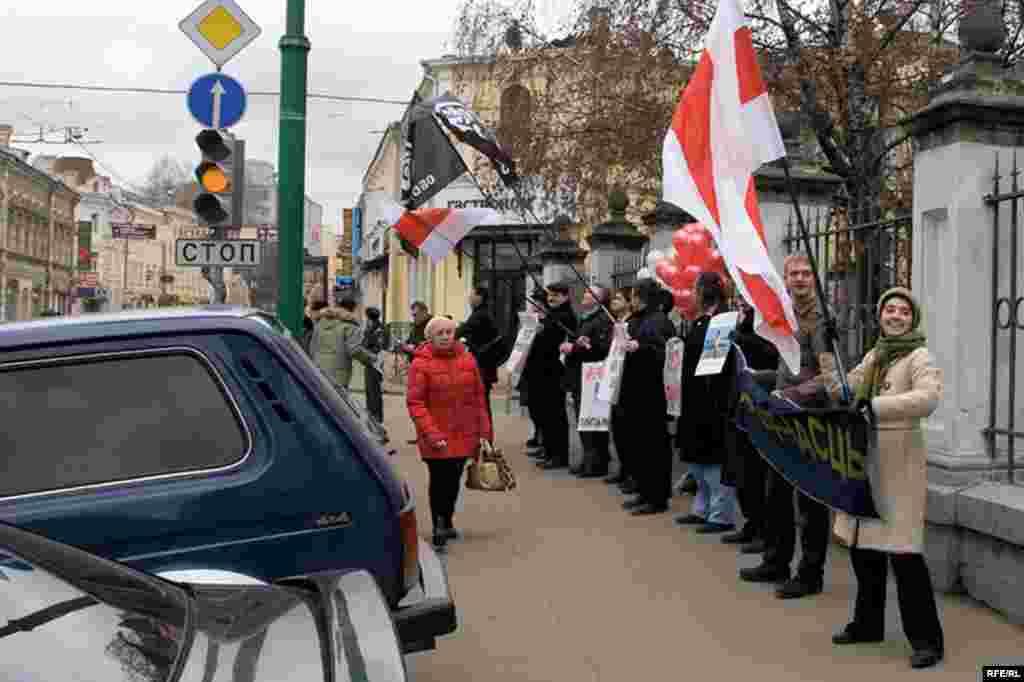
{"x":37,"y":237}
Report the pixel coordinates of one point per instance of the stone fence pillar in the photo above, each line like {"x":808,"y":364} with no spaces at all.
{"x":613,"y":240}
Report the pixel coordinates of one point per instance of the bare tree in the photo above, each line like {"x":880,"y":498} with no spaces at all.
{"x":163,"y":179}
{"x":603,"y":94}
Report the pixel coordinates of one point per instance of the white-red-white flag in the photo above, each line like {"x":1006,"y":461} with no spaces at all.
{"x":436,"y":231}
{"x":723,"y":129}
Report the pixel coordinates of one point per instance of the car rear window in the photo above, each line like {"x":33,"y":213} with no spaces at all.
{"x":86,"y":421}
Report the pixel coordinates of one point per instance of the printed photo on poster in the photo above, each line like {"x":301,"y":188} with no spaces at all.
{"x":595,"y":414}
{"x":717,"y":343}
{"x":674,"y":376}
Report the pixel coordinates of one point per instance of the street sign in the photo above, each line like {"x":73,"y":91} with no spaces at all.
{"x":132,"y":231}
{"x":121,"y":214}
{"x":89,"y":280}
{"x":220,"y":29}
{"x":216,"y":101}
{"x":235,"y":253}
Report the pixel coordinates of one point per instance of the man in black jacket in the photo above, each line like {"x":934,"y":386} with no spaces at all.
{"x":643,"y":404}
{"x":593,"y":344}
{"x":543,"y":374}
{"x":373,"y":342}
{"x":745,"y":468}
{"x":483,"y":340}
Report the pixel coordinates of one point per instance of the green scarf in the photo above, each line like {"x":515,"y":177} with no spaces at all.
{"x":891,"y":349}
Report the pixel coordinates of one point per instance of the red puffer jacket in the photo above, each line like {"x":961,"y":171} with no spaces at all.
{"x":446,"y":402}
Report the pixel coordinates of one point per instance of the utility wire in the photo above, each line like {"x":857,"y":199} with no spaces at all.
{"x":167,"y":91}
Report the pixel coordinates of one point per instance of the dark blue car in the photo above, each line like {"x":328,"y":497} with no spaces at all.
{"x":205,"y":437}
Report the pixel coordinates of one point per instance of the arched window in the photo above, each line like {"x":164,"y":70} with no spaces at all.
{"x":516,"y":114}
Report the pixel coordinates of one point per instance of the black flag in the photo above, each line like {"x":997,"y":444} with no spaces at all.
{"x":469,"y":129}
{"x":429,"y":162}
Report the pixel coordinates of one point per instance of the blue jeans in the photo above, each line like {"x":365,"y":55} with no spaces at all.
{"x":714,"y":502}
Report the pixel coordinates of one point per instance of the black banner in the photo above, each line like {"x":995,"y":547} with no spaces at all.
{"x":824,"y":453}
{"x":469,"y":129}
{"x":429,"y":161}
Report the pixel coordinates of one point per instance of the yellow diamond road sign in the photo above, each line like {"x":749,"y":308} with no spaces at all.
{"x":221,"y":29}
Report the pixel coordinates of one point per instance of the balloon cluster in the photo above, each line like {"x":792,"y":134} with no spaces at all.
{"x":694,"y":252}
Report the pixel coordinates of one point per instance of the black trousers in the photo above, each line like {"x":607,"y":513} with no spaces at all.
{"x":596,"y":444}
{"x":548,"y":410}
{"x":445,"y":481}
{"x":651,"y":459}
{"x":914,"y":591}
{"x":752,"y":487}
{"x":781,"y":527}
{"x":374,"y":393}
{"x":620,"y":435}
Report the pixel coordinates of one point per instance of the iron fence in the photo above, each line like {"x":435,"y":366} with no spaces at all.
{"x":624,"y":269}
{"x":1006,"y":316}
{"x":860,"y":253}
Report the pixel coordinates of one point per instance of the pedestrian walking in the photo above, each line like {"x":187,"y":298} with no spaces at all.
{"x":809,"y":388}
{"x":373,"y":342}
{"x":337,"y":341}
{"x":544,"y":376}
{"x":484,"y":341}
{"x":897,"y":385}
{"x":592,"y":345}
{"x":446,"y":402}
{"x":701,"y":433}
{"x":420,"y":315}
{"x":644,"y":408}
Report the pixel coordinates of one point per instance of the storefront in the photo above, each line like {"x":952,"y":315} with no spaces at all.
{"x":25,"y":296}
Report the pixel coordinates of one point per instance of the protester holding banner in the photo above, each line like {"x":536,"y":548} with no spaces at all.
{"x":592,"y":345}
{"x":808,"y":388}
{"x":701,"y":435}
{"x":745,"y":469}
{"x":897,"y":385}
{"x":642,"y":397}
{"x":622,"y":308}
{"x":543,"y":374}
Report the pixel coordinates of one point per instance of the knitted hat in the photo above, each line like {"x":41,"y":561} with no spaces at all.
{"x":900,"y":292}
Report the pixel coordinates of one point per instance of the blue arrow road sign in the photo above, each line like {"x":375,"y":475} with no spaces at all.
{"x":216,"y":100}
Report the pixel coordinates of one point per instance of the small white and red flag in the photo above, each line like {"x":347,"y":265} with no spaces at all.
{"x":723,"y":130}
{"x":436,"y":231}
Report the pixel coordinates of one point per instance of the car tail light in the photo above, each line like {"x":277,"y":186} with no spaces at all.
{"x":410,"y":540}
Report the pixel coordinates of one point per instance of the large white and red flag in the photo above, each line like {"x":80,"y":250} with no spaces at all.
{"x":436,"y":231}
{"x":723,"y":129}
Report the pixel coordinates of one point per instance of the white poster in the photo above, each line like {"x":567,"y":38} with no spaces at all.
{"x":608,"y":391}
{"x":717,"y":342}
{"x":529,"y":324}
{"x":674,"y":376}
{"x":595,"y":414}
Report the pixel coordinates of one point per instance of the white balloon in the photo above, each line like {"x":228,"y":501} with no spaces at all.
{"x":643,"y":273}
{"x":653,"y":257}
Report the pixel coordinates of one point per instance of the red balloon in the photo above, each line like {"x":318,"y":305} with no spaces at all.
{"x":679,"y":241}
{"x":667,"y":271}
{"x":716,"y":262}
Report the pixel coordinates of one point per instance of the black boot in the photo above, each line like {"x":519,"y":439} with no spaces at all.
{"x":440,"y":538}
{"x":449,"y":529}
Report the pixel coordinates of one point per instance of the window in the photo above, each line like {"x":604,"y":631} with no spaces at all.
{"x":97,"y":420}
{"x":516,"y":112}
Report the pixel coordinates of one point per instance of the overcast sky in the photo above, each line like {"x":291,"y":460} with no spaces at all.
{"x":367,"y":49}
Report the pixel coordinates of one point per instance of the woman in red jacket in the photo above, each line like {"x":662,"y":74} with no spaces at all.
{"x":446,"y":403}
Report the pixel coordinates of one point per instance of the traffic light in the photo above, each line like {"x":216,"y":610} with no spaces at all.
{"x":213,"y":202}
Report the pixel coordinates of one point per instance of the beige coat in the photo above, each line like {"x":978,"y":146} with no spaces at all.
{"x":897,"y":470}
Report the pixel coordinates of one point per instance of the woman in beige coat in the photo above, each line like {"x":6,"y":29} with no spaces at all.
{"x":897,"y":384}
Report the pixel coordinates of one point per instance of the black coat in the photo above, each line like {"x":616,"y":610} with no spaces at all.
{"x":543,"y":369}
{"x":760,"y":355}
{"x":702,"y":435}
{"x":643,"y":375}
{"x":484,"y":341}
{"x":598,"y":327}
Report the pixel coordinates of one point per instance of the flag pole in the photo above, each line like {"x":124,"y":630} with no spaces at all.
{"x":515,"y":245}
{"x":830,"y":323}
